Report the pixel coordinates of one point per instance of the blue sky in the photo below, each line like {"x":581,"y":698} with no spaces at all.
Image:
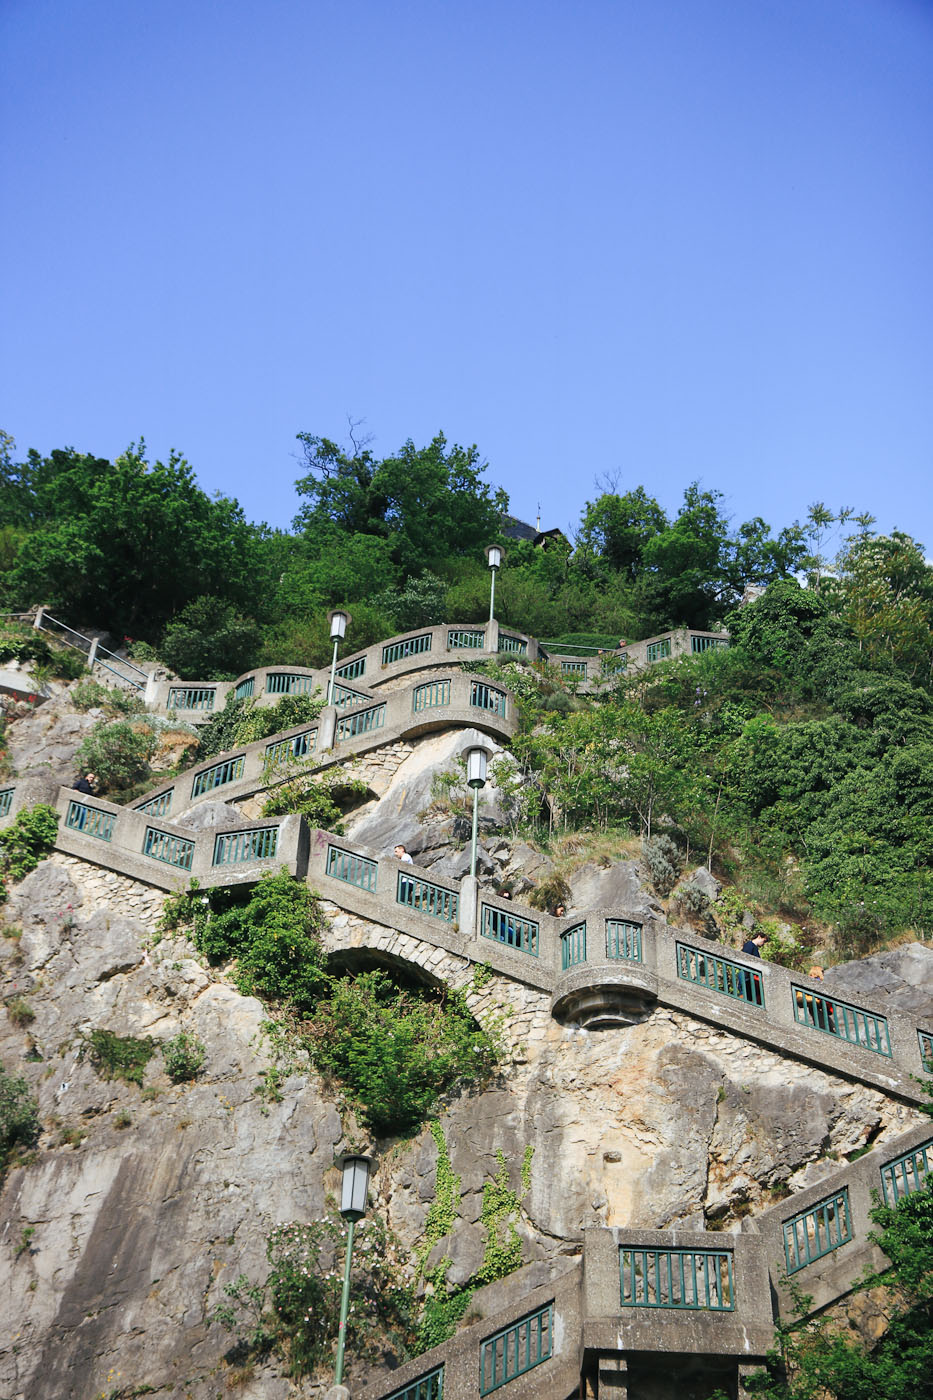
{"x":663,"y":240}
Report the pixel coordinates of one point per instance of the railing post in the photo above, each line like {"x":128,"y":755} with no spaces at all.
{"x":37,"y":620}
{"x":92,"y":653}
{"x":327,"y":728}
{"x":492,"y":635}
{"x":469,"y":891}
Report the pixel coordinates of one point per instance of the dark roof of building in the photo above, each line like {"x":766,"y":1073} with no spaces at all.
{"x":515,"y":529}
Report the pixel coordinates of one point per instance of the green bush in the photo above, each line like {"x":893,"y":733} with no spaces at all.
{"x":118,"y":753}
{"x":28,"y":838}
{"x":321,"y":801}
{"x":19,"y":1116}
{"x":184,"y":1056}
{"x":295,"y":1313}
{"x":118,"y":1056}
{"x":89,"y":694}
{"x":210,"y":641}
{"x":244,"y":722}
{"x":273,"y":932}
{"x":397,"y":1051}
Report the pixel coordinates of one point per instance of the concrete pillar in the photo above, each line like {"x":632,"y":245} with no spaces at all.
{"x":492,"y":635}
{"x":37,"y":620}
{"x":469,"y":890}
{"x":337,"y":1392}
{"x":92,"y":654}
{"x":327,"y":728}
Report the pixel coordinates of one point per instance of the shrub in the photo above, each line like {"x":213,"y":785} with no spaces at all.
{"x":422,"y":602}
{"x":397,"y":1051}
{"x":321,"y":801}
{"x":89,"y":694}
{"x":295,"y":1313}
{"x":29,"y":837}
{"x":19,"y":1116}
{"x":243,"y":721}
{"x":184,"y":1055}
{"x":663,"y":861}
{"x":118,"y":753}
{"x":118,"y":1056}
{"x":273,"y":932}
{"x":210,"y":641}
{"x":19,"y":1011}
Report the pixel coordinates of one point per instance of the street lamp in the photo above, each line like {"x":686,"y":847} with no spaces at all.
{"x":494,"y":558}
{"x":339,"y":622}
{"x":353,"y":1191}
{"x":477,"y":758}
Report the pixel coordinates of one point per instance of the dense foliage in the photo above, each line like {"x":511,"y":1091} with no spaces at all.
{"x":29,"y":837}
{"x":817,"y":1361}
{"x":393,"y":1050}
{"x":19,"y":1117}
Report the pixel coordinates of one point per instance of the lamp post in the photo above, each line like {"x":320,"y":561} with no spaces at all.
{"x":477,"y":758}
{"x":494,"y":558}
{"x":353,"y":1191}
{"x":339,"y":621}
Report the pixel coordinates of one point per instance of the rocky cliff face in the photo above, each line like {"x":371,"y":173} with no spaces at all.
{"x":142,"y":1204}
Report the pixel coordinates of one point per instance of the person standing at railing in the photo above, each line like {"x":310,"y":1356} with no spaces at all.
{"x":752,"y":948}
{"x":87,"y":783}
{"x":406,"y":888}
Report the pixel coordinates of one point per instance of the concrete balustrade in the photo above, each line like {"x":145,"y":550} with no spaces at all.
{"x":363,"y":672}
{"x":377,"y":723}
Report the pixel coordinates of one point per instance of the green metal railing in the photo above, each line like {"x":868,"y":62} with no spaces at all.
{"x":908,"y":1173}
{"x":351,"y":670}
{"x":573,"y":946}
{"x":573,"y":668}
{"x":427,"y":1387}
{"x":90,"y":821}
{"x":430,"y":696}
{"x":694,"y":1279}
{"x":516,"y":1349}
{"x":722,"y":975}
{"x":503,"y":926}
{"x":427,"y":898}
{"x":187,"y":697}
{"x":298,"y":746}
{"x":157,"y":806}
{"x":344,"y":696}
{"x":412,"y":646}
{"x":459,"y":638}
{"x":6,"y":801}
{"x":657,"y":651}
{"x":230,"y":771}
{"x":245,"y":689}
{"x":516,"y":644}
{"x":623,"y":940}
{"x":486,"y":697}
{"x":360,"y":722}
{"x":239,"y":847}
{"x":289,"y":683}
{"x":698,"y":644}
{"x":171,"y":850}
{"x":926,"y":1048}
{"x":351,"y":868}
{"x":817,"y":1231}
{"x":839,"y":1019}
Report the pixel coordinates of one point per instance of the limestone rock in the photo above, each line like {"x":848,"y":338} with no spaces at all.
{"x":616,"y":886}
{"x":903,"y":976}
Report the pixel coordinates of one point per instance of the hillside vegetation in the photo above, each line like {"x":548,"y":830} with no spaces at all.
{"x":799,"y":763}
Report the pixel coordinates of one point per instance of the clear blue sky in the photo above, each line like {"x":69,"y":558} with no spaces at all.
{"x":672,"y":239}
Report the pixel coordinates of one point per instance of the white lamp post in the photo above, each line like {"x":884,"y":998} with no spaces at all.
{"x":494,"y":557}
{"x":477,"y":759}
{"x":354,"y":1188}
{"x":339,"y":621}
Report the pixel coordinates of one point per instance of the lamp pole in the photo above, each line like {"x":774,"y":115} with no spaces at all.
{"x":477,"y":759}
{"x":338,"y":630}
{"x":354,"y":1187}
{"x":494,"y":557}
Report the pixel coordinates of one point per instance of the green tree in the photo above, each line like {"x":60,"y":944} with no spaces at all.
{"x":430,"y":503}
{"x":615,"y":530}
{"x":887,"y":600}
{"x":210,"y":641}
{"x":126,"y":544}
